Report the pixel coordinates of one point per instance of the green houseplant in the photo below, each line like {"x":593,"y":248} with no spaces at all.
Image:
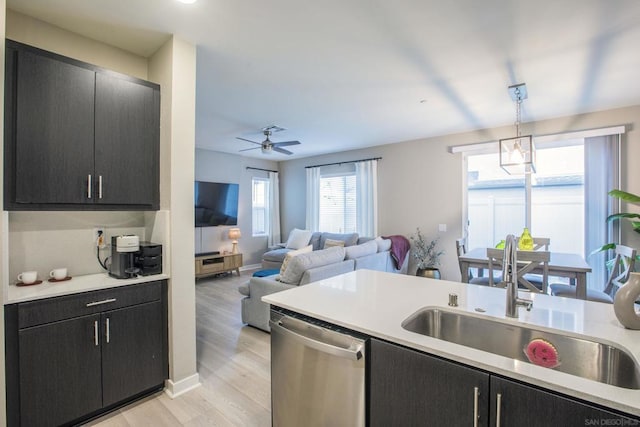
{"x":427,"y":254}
{"x":633,"y":217}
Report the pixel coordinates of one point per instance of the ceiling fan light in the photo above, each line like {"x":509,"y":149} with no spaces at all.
{"x":267,"y":149}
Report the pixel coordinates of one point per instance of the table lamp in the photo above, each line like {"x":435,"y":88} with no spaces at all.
{"x":234,"y":235}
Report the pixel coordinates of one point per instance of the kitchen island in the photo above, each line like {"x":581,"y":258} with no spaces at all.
{"x":376,"y":303}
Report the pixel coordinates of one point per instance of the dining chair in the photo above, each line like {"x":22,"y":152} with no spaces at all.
{"x":461,"y":249}
{"x":623,"y":265}
{"x":528,"y":261}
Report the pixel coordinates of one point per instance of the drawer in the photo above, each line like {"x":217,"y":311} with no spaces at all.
{"x":66,"y":307}
{"x":212,"y":267}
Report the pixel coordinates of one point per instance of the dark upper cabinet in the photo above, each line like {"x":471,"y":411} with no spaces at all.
{"x":77,"y":136}
{"x":127,"y":134}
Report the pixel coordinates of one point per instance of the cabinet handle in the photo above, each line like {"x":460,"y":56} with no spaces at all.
{"x":498,"y":406}
{"x":108,"y":330}
{"x":476,"y":393}
{"x":95,"y":333}
{"x":99,"y":186}
{"x":89,"y":186}
{"x":106,"y":301}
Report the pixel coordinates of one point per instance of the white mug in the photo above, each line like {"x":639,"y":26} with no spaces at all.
{"x":28,"y":277}
{"x":58,"y":273}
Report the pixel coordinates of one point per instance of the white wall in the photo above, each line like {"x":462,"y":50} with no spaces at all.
{"x":173,"y":67}
{"x":420,"y":182}
{"x":25,"y":29}
{"x":215,"y":166}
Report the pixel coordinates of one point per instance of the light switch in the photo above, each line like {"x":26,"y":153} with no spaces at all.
{"x":442,"y":227}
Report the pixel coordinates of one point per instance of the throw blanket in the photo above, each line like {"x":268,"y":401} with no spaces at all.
{"x":400,"y":246}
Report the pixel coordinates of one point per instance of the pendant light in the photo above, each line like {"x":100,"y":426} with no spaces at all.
{"x":517,"y":155}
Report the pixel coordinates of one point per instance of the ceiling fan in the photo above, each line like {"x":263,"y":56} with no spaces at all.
{"x":269,"y":146}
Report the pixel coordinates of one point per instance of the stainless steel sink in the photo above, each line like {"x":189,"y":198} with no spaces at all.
{"x":578,"y":356}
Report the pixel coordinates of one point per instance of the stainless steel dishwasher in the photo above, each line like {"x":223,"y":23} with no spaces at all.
{"x":317,"y":374}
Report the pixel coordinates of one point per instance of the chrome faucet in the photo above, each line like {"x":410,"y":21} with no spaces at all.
{"x":510,"y":278}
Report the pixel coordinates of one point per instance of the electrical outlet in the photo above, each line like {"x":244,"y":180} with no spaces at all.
{"x":99,"y":238}
{"x":442,"y":227}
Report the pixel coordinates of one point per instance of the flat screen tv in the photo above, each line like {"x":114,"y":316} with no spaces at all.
{"x":216,"y":203}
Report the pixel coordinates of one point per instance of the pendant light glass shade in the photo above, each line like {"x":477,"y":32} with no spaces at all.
{"x":518,"y":155}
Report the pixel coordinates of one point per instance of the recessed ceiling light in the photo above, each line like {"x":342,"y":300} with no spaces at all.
{"x":187,"y":1}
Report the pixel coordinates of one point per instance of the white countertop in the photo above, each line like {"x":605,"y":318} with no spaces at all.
{"x":376,"y":303}
{"x":90,"y":282}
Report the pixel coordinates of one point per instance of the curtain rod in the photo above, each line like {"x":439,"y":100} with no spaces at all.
{"x":260,"y":169}
{"x":342,"y":163}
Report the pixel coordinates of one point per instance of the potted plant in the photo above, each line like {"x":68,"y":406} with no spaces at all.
{"x":427,"y":255}
{"x":633,"y":217}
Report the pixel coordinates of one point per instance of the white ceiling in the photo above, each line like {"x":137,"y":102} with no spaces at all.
{"x":346,"y":74}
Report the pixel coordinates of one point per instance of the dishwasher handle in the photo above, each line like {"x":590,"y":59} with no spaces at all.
{"x":346,"y":353}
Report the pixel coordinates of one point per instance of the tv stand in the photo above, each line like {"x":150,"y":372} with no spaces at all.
{"x":211,"y":263}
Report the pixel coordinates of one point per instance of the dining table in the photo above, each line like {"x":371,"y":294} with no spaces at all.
{"x":561,"y":264}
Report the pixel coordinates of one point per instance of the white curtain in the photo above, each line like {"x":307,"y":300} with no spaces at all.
{"x":274,"y":209}
{"x":367,"y":198}
{"x":601,"y":156}
{"x":313,"y":199}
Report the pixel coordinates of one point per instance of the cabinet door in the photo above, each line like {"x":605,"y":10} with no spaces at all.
{"x":132,"y":351}
{"x":54,"y":130}
{"x":526,"y":405}
{"x":60,"y":377}
{"x":410,"y":388}
{"x":126,"y":142}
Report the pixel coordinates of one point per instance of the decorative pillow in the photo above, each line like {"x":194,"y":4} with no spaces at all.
{"x":349,"y":239}
{"x":303,"y":262}
{"x":291,"y":254}
{"x":357,"y":251}
{"x":383,"y":244}
{"x":298,"y":239}
{"x":330,"y":242}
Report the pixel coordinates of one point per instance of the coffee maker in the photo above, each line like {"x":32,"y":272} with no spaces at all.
{"x":123,"y":249}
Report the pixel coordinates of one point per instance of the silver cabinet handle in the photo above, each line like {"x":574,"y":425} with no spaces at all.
{"x":108,"y":332}
{"x":476,"y":393}
{"x":99,"y":186}
{"x":355,"y":354}
{"x":498,"y":406}
{"x":89,"y":186}
{"x":95,"y":333}
{"x":106,"y":301}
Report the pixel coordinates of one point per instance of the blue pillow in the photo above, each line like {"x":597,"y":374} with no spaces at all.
{"x":264,"y":273}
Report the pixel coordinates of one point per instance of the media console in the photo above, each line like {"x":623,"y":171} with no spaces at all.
{"x":211,"y":263}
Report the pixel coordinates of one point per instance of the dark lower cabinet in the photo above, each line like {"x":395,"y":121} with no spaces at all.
{"x":525,"y":405}
{"x":71,"y":358}
{"x":59,"y":372}
{"x":411,"y":388}
{"x":132,"y":357}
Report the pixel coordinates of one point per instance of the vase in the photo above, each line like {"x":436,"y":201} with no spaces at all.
{"x":526,"y":241}
{"x":429,"y":272}
{"x":624,"y":302}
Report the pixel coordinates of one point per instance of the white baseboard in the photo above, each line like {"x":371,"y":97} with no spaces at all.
{"x":250,"y":267}
{"x":175,"y":389}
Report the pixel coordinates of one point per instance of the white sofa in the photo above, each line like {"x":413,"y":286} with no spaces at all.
{"x":311,"y":267}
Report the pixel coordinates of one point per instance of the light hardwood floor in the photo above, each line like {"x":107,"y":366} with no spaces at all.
{"x":233,"y":362}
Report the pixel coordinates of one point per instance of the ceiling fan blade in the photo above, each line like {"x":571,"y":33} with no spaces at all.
{"x":285,"y":143}
{"x":247,"y":149}
{"x":282,"y":150}
{"x":248,"y":140}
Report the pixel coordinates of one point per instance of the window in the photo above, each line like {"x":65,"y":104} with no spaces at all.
{"x":343,"y":197}
{"x":260,"y":206}
{"x":498,"y":202}
{"x":565,"y":199}
{"x":338,"y":203}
